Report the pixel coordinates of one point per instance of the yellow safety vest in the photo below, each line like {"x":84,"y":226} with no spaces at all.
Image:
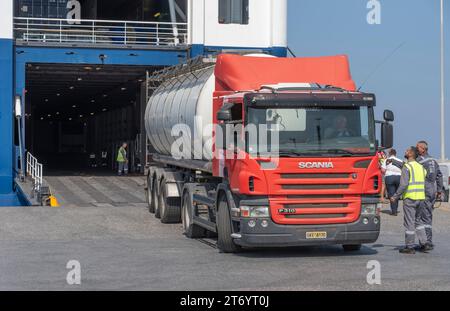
{"x":120,"y":157}
{"x":416,"y":187}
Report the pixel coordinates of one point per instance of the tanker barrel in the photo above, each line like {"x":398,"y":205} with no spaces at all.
{"x":185,"y":100}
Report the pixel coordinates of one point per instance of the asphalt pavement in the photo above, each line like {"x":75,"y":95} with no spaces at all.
{"x":126,"y":248}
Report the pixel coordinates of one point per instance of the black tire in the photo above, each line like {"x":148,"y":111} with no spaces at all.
{"x":225,"y":242}
{"x":155,"y":200}
{"x":352,"y":247}
{"x":190,"y":229}
{"x":211,"y":235}
{"x":170,"y":209}
{"x":149,"y":195}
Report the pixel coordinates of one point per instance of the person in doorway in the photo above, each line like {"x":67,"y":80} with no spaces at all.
{"x":122,"y":159}
{"x":104,"y":158}
{"x":412,"y":190}
{"x":434,"y":185}
{"x":392,"y":178}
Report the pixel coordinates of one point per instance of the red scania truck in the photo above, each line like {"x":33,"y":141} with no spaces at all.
{"x":320,"y":184}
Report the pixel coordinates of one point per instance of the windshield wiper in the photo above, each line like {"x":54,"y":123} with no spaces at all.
{"x":293,"y":153}
{"x":339,"y":151}
{"x":344,"y":152}
{"x":332,"y":152}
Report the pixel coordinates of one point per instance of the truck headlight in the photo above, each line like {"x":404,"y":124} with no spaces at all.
{"x":255,"y":211}
{"x":369,"y":209}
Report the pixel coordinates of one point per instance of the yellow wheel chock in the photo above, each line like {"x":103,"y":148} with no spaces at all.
{"x":53,"y":201}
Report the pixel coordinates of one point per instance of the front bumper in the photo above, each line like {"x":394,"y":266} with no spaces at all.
{"x":275,"y":235}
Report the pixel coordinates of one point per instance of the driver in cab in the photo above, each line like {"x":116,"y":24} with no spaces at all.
{"x":339,"y":130}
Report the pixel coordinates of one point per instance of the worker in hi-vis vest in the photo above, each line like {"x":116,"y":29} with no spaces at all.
{"x":122,"y":159}
{"x":434,"y":185}
{"x":412,"y":190}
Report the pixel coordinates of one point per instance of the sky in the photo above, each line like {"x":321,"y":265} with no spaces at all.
{"x":409,"y":82}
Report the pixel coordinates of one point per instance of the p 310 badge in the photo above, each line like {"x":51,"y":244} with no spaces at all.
{"x":287,"y":211}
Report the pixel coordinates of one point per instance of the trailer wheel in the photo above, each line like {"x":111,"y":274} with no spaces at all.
{"x":190,"y":229}
{"x":155,"y":200}
{"x":352,"y":248}
{"x":169,"y":209}
{"x":225,"y":242}
{"x":149,"y":195}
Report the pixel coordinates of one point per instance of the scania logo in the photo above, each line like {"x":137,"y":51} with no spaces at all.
{"x":316,"y":165}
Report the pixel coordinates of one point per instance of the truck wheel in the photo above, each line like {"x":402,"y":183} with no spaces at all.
{"x":225,"y":243}
{"x":352,"y":248}
{"x":190,"y":229}
{"x":155,"y":200}
{"x":149,"y":195}
{"x":170,"y":210}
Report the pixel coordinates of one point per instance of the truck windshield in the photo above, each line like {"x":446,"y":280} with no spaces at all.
{"x":343,"y":131}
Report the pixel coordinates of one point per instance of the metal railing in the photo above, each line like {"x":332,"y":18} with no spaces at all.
{"x":85,"y":31}
{"x":34,"y":170}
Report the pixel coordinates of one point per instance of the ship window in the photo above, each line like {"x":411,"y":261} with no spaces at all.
{"x":233,"y":12}
{"x":41,"y":8}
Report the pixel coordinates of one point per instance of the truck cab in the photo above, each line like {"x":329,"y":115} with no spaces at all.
{"x":319,"y":182}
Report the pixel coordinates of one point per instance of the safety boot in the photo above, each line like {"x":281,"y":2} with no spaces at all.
{"x":427,"y":247}
{"x":407,"y":250}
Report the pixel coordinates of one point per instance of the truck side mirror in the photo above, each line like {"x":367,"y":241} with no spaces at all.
{"x":225,"y":114}
{"x":387,"y":135}
{"x":388,"y":116}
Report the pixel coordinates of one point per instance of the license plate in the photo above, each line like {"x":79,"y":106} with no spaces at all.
{"x":316,"y":235}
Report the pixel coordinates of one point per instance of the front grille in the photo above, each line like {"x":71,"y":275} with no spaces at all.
{"x":315,"y":176}
{"x":313,"y":209}
{"x":315,"y":187}
{"x":315,"y":216}
{"x":316,"y":196}
{"x":316,"y":205}
{"x":308,"y":197}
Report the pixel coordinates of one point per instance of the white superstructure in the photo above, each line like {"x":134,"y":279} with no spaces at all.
{"x":6,"y":19}
{"x":266,"y":26}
